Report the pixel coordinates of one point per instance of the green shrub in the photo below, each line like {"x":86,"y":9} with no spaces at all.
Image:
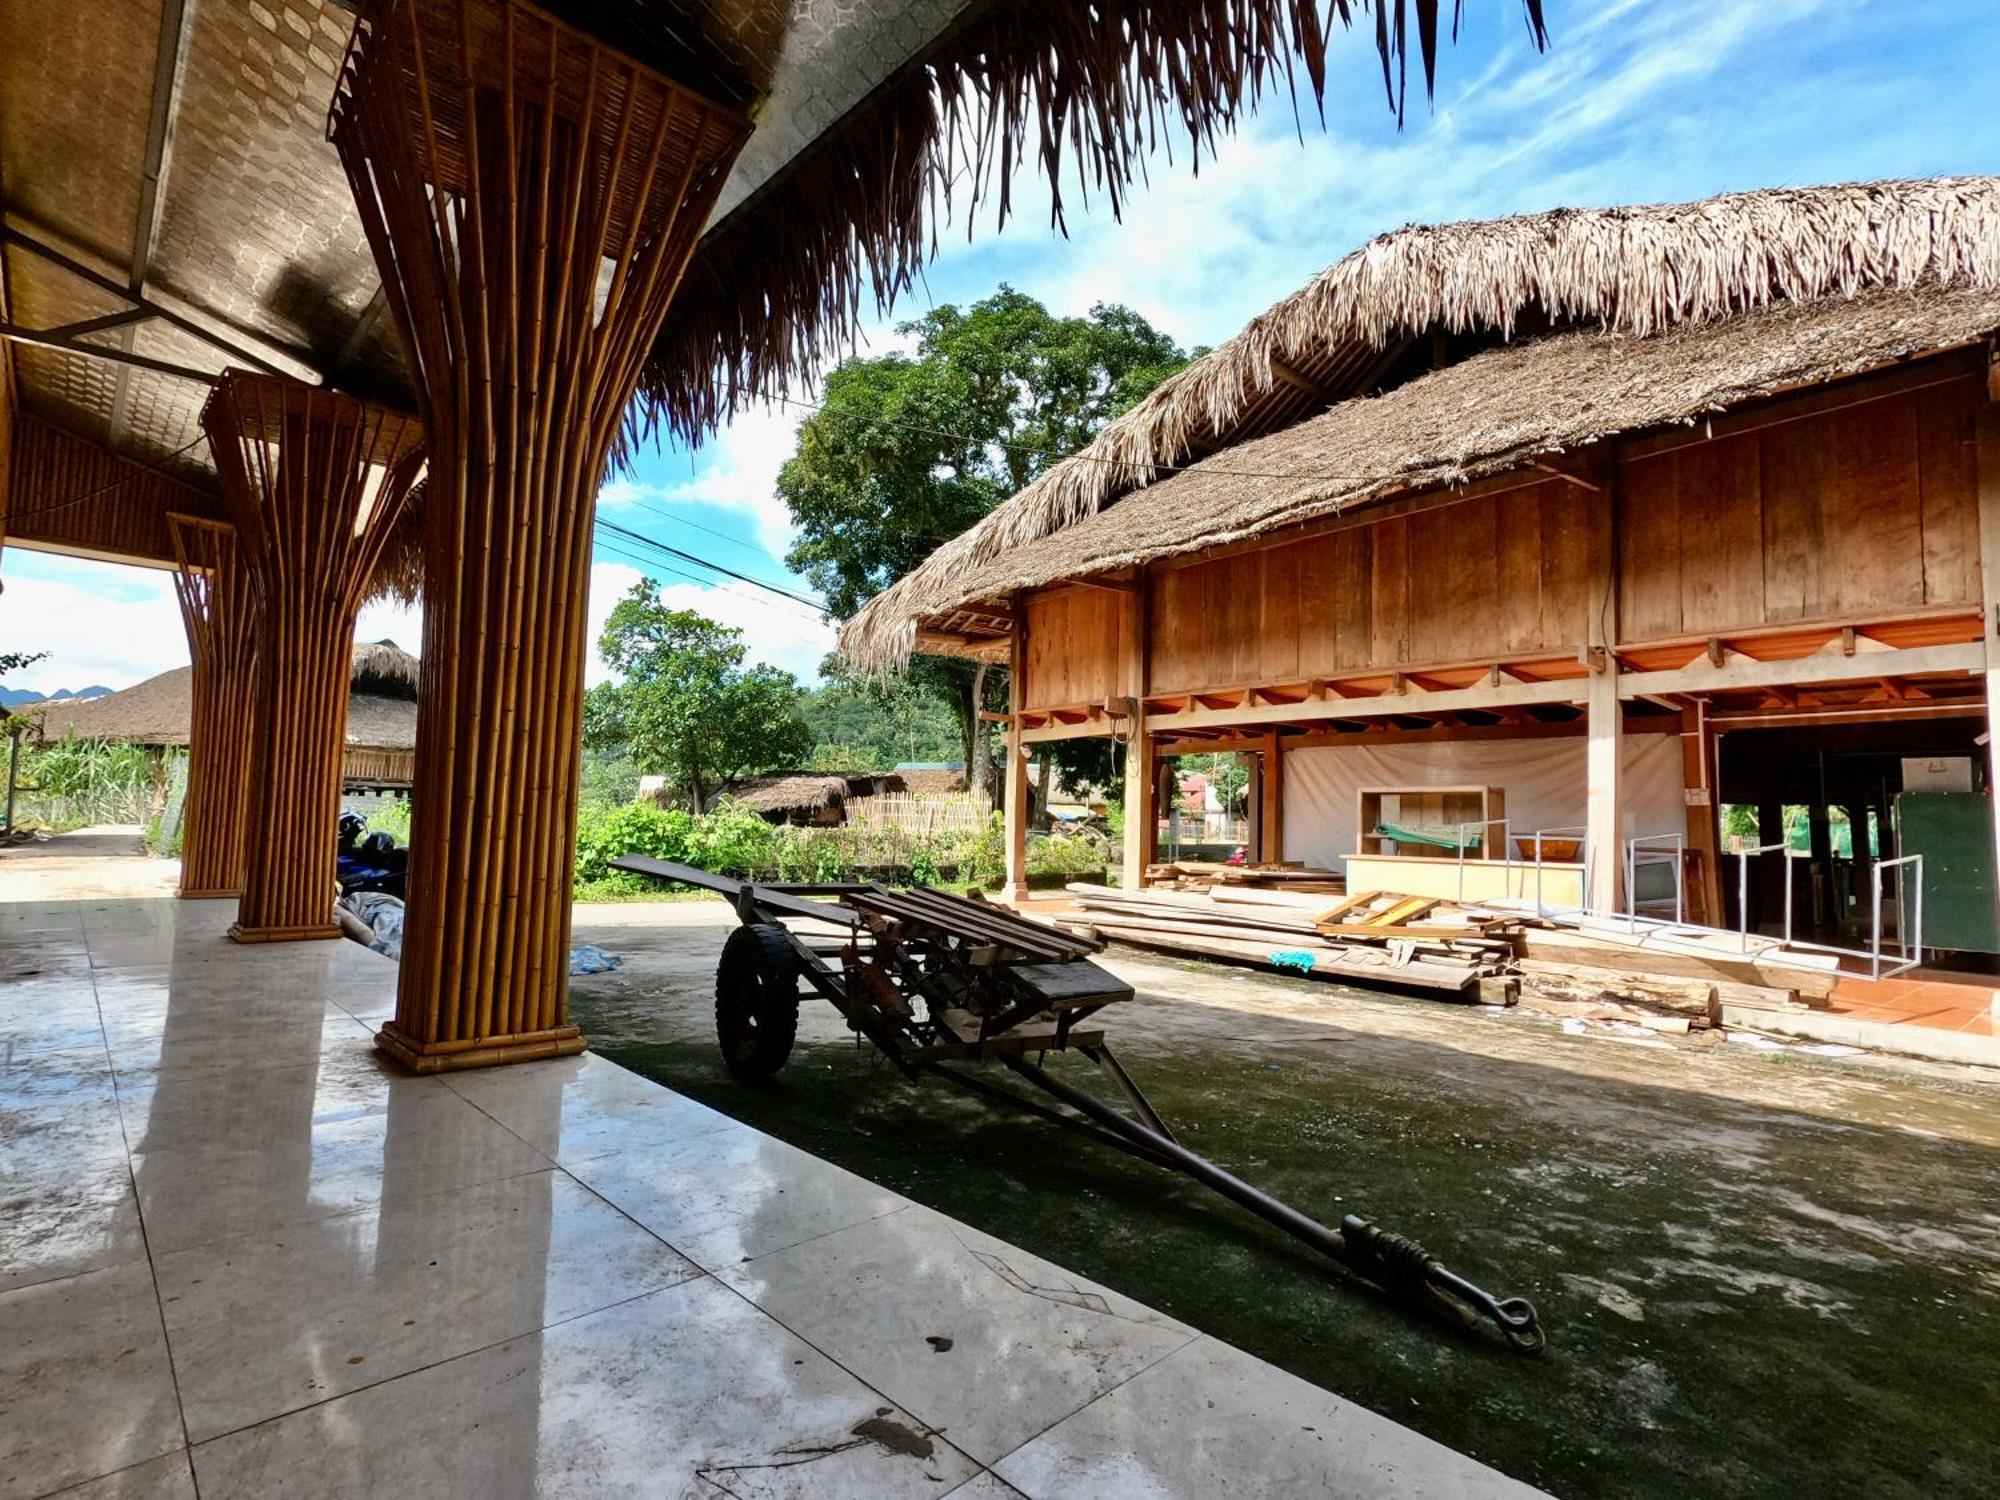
{"x":605,"y":833}
{"x":393,"y":820}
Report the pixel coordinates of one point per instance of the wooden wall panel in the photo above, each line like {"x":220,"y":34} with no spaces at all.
{"x":1077,"y":642}
{"x":1867,"y":511}
{"x":1480,"y":579}
{"x":1948,"y":478}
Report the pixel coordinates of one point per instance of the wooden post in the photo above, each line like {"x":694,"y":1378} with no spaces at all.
{"x":1698,"y":783}
{"x":1988,"y":449}
{"x":1014,"y":790}
{"x":531,"y":198}
{"x":1139,"y":760}
{"x":1603,"y":827}
{"x":219,"y":613}
{"x":314,"y":482}
{"x":1273,"y":800}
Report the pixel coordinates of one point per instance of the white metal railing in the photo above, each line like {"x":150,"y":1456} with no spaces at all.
{"x":1636,"y":855}
{"x":1909,"y":935}
{"x":1743,"y":858}
{"x":1561,"y":831}
{"x":1482,"y":824}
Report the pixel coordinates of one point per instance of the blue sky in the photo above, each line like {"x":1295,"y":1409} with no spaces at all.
{"x":1636,"y":101}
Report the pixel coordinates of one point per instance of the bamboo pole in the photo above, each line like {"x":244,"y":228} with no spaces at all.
{"x":219,"y":614}
{"x":314,"y":483}
{"x":531,"y":197}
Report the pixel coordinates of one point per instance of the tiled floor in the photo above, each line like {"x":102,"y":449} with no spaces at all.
{"x":237,"y":1251}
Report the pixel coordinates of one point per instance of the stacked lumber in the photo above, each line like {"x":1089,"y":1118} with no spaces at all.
{"x":1300,"y":932}
{"x":1203,"y":875}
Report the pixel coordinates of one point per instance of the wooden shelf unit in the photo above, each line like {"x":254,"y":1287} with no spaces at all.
{"x":1438,"y":808}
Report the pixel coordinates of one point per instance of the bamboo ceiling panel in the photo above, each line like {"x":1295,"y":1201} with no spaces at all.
{"x":260,"y":225}
{"x":75,"y":80}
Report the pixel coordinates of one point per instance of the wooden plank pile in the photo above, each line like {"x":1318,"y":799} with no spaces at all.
{"x":1377,"y":938}
{"x":1203,"y":875}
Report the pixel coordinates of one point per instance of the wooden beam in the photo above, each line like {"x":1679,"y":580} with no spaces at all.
{"x":1742,"y":672}
{"x":1137,"y":852}
{"x":1301,"y":382}
{"x":50,"y":339}
{"x":1272,"y":851}
{"x":1410,"y":702}
{"x":1603,"y":829}
{"x":1014,"y":789}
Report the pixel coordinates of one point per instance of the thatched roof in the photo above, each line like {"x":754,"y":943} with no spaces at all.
{"x":803,"y":793}
{"x":1688,"y":308}
{"x":381,"y":711}
{"x":385,"y":669}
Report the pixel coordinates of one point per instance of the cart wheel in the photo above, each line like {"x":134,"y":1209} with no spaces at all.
{"x":756,"y":1000}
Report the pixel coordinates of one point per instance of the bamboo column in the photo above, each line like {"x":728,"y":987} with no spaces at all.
{"x":221,"y":620}
{"x":314,"y":482}
{"x":532,"y":198}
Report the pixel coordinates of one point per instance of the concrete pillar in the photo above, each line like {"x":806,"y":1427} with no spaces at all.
{"x":314,"y":482}
{"x":219,"y":613}
{"x":531,"y":198}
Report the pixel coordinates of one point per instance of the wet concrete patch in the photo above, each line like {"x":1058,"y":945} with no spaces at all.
{"x":1756,"y":1269}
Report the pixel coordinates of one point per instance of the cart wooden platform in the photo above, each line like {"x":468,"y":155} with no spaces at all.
{"x":936,"y":981}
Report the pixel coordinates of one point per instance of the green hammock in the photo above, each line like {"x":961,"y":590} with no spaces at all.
{"x":1435,"y":838}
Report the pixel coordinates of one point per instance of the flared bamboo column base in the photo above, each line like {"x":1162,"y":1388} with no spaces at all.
{"x":238,"y":933}
{"x":229,"y":895}
{"x":478,"y":1052}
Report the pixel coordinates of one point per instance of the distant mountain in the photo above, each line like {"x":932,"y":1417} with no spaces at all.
{"x":15,"y":697}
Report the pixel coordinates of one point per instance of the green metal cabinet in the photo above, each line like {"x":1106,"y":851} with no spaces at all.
{"x":1954,"y":833}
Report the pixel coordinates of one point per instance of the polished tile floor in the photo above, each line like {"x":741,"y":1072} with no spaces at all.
{"x":241,"y":1257}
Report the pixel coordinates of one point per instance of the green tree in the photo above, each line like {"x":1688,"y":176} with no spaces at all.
{"x":908,"y":450}
{"x":860,"y":725}
{"x":685,"y":706}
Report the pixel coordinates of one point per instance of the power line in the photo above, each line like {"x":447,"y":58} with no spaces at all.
{"x":621,"y":540}
{"x":702,"y":562}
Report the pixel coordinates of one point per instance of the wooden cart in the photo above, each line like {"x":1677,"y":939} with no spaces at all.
{"x":937,"y":981}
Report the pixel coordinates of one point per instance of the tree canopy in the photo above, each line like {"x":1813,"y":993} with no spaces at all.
{"x":910,"y":449}
{"x":686,"y":707}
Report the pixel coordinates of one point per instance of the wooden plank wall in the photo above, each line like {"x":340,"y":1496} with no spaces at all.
{"x":1078,"y":642}
{"x":69,"y":493}
{"x":1495,"y":576}
{"x":1864,"y":512}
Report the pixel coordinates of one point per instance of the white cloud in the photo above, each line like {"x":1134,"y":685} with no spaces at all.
{"x":737,"y":470}
{"x":101,"y":624}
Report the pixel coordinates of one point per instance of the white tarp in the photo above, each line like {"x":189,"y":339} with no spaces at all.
{"x":1542,"y":780}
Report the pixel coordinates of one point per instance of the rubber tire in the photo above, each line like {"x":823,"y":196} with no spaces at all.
{"x":756,"y":1001}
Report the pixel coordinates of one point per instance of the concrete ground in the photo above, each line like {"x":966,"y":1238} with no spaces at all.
{"x":108,"y":861}
{"x":241,"y":1255}
{"x":1763,"y":1272}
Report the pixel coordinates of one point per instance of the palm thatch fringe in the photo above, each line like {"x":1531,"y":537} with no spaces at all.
{"x":1633,"y":272}
{"x":777,"y":289}
{"x":385,"y":670}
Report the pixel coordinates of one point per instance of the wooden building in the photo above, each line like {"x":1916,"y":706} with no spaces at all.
{"x":1579,"y":524}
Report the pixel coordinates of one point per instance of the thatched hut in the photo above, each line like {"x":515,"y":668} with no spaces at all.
{"x":381,"y":716}
{"x":809,"y":799}
{"x":1587,"y":519}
